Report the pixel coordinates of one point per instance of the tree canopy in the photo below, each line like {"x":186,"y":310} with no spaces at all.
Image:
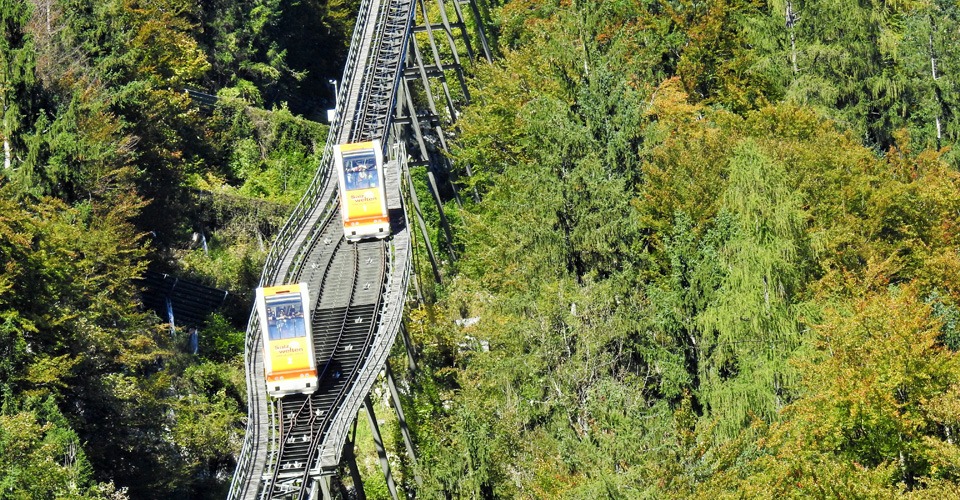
{"x":713,"y":252}
{"x":714,"y":256}
{"x":112,"y":166}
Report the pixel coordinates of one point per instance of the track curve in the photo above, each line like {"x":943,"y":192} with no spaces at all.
{"x":360,"y":288}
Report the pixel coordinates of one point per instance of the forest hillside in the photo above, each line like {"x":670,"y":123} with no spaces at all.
{"x":144,"y":136}
{"x":714,"y":250}
{"x":716,"y":256}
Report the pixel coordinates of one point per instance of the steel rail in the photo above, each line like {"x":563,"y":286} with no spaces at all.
{"x":277,"y":464}
{"x":349,"y":373}
{"x":292,"y":461}
{"x":249,"y":462}
{"x":365,"y":101}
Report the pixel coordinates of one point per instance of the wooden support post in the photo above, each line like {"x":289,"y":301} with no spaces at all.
{"x":463,"y":30}
{"x":414,"y":122}
{"x":433,"y":182}
{"x":436,"y":57}
{"x":423,"y":225}
{"x":324,"y":482}
{"x":350,"y":456}
{"x":404,"y":430}
{"x":418,"y":60}
{"x":381,"y":450}
{"x":425,"y":80}
{"x":478,"y":19}
{"x":448,"y":234}
{"x":438,"y":129}
{"x":416,"y":282}
{"x":453,"y":49}
{"x":408,"y":346}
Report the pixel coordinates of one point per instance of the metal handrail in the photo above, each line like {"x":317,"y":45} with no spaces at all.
{"x":271,"y":269}
{"x":283,"y":259}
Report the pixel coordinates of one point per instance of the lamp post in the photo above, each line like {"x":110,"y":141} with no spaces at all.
{"x":332,"y":113}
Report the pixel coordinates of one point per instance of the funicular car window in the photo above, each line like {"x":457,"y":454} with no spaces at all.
{"x":285,"y":319}
{"x":360,"y":170}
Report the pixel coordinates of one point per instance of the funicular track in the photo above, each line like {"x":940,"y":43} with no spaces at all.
{"x":357,"y":290}
{"x":343,"y":334}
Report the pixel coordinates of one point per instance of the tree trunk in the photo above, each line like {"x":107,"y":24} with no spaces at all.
{"x":791,"y":20}
{"x":7,"y":149}
{"x":933,"y":73}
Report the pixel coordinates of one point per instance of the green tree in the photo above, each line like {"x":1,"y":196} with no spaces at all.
{"x":17,"y":78}
{"x":208,"y":425}
{"x":751,"y":328}
{"x":866,"y":64}
{"x":933,"y":67}
{"x":42,"y":456}
{"x":876,"y":414}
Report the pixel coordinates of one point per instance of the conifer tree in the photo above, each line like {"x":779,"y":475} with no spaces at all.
{"x":16,"y":77}
{"x":751,"y":329}
{"x":928,"y":46}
